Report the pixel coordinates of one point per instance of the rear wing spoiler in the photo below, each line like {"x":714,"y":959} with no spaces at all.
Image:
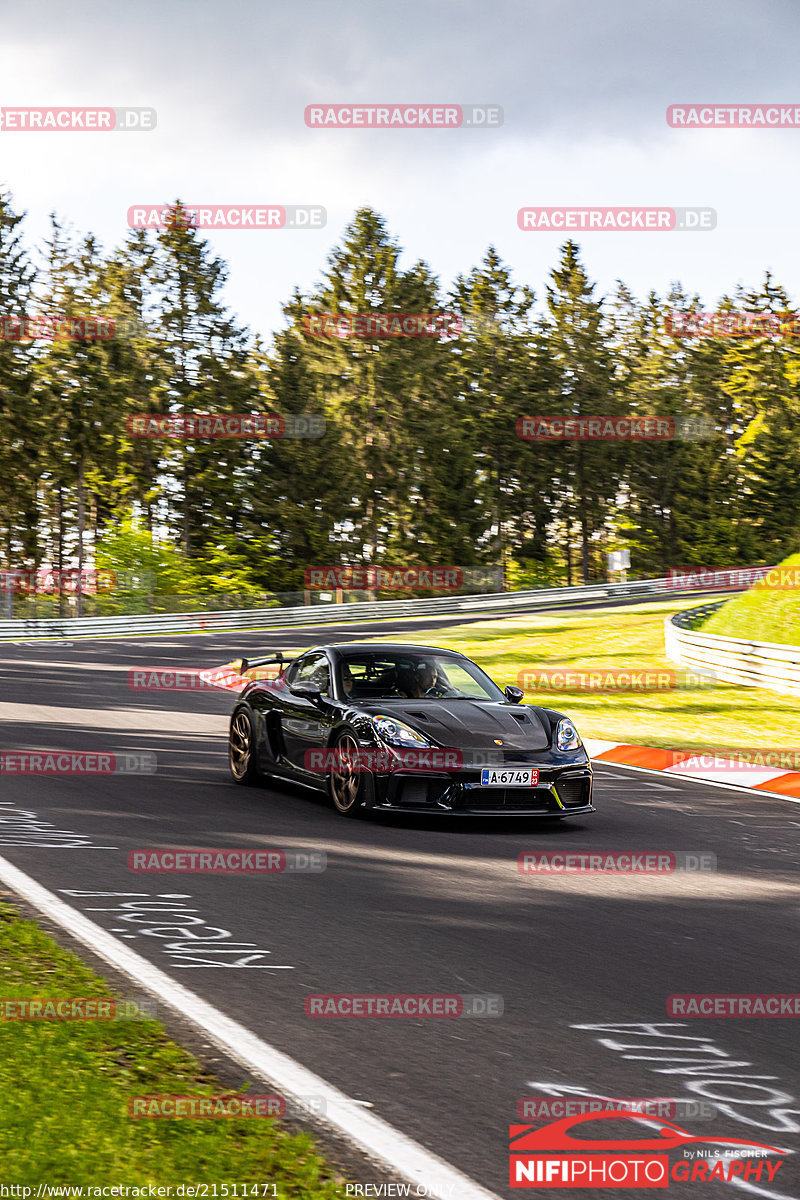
{"x":243,"y":665}
{"x":236,"y":675}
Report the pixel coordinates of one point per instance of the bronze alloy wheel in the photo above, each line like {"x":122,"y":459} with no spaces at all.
{"x":346,"y":784}
{"x":241,"y":748}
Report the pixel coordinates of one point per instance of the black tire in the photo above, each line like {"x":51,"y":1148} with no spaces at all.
{"x":349,"y":790}
{"x":242,"y":749}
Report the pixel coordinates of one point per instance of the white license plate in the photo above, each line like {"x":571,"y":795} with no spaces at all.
{"x":509,"y":777}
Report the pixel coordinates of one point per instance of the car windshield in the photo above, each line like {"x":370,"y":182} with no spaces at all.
{"x":405,"y":676}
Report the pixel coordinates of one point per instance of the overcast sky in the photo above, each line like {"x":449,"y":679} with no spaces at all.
{"x":584,"y":88}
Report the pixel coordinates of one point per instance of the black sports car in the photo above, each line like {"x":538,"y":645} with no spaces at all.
{"x":405,"y":728}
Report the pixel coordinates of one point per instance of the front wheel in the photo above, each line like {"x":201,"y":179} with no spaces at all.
{"x":242,"y":748}
{"x":348,"y":784}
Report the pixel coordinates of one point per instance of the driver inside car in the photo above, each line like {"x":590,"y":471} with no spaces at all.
{"x":426,"y":681}
{"x":427,"y":678}
{"x":348,"y":682}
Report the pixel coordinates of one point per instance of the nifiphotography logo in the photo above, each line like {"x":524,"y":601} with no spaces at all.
{"x":552,"y":1157}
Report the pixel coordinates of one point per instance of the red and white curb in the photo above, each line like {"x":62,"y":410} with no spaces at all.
{"x":698,"y":767}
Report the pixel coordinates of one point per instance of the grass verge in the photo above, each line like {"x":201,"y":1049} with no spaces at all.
{"x":768,"y":612}
{"x":65,"y":1086}
{"x":708,"y":716}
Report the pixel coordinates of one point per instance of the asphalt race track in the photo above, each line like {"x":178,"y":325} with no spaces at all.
{"x":424,"y":905}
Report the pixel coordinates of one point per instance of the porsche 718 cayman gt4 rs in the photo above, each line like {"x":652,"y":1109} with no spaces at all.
{"x":405,"y":728}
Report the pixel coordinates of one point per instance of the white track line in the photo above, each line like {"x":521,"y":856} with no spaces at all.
{"x":379,"y":1140}
{"x":730,"y":787}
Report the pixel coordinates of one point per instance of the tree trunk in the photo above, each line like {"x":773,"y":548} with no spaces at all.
{"x":584,"y":517}
{"x":568,"y":551}
{"x":60,"y":550}
{"x":81,"y":525}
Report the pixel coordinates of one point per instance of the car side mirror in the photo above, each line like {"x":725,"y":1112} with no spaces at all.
{"x":514,"y":694}
{"x":306,"y":691}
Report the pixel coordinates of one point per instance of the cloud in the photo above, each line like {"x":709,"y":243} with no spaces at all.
{"x":584,"y":88}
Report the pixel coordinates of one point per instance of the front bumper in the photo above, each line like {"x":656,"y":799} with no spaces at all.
{"x":561,"y":791}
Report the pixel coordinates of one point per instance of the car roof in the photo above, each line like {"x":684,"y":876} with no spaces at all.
{"x":387,"y":648}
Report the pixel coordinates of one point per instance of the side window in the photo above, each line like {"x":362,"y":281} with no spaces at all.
{"x":313,"y":669}
{"x":292,"y":669}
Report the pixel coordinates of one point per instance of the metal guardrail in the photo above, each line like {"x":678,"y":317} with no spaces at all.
{"x":502,"y":603}
{"x":768,"y":665}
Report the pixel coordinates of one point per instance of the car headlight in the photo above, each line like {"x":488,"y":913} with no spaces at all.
{"x":396,"y":733}
{"x":567,"y":737}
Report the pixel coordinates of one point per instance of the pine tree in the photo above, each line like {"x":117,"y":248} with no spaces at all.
{"x":503,"y":372}
{"x":587,"y":473}
{"x":21,"y":428}
{"x":378,"y":392}
{"x":202,"y":368}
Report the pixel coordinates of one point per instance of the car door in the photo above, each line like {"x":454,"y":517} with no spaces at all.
{"x":304,"y":723}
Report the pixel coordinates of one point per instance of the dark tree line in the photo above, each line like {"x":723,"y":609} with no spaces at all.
{"x":420,"y":461}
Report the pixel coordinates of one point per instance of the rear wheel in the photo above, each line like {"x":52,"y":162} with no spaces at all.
{"x":348,"y":784}
{"x":242,"y":748}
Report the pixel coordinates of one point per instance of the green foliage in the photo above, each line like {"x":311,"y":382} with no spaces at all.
{"x":525,"y":574}
{"x":768,"y":612}
{"x":419,"y":462}
{"x":158,"y":570}
{"x":129,"y":550}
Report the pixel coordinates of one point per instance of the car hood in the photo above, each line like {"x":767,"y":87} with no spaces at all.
{"x":468,"y":724}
